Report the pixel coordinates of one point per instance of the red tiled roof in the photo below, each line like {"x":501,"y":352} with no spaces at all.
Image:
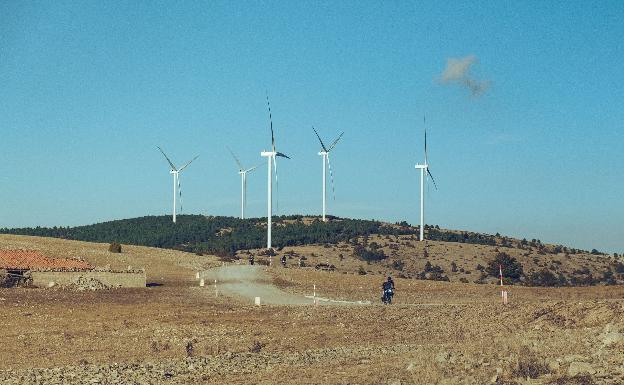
{"x":33,"y":260}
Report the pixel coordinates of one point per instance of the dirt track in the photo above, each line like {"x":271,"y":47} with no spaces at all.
{"x":247,"y":282}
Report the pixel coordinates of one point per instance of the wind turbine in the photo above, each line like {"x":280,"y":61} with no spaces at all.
{"x":176,"y":181}
{"x":325,"y":154}
{"x":271,"y":157}
{"x":243,"y":173}
{"x":424,"y":168}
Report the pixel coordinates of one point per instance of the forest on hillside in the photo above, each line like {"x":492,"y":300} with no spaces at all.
{"x":226,"y":235}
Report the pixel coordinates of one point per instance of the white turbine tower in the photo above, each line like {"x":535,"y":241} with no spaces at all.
{"x":325,"y":154}
{"x":271,"y":157}
{"x":243,"y":173}
{"x":424,"y":168}
{"x":176,"y":181}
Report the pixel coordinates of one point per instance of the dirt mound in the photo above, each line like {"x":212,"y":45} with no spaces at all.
{"x":84,"y":283}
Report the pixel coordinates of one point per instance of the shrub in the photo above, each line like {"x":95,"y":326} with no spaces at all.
{"x":368,"y":254}
{"x":114,"y":247}
{"x":257,"y":347}
{"x":398,"y":265}
{"x":453,"y":267}
{"x":608,"y":278}
{"x":529,"y":365}
{"x":543,"y":278}
{"x":583,"y":280}
{"x":433,"y":273}
{"x":512,"y":269}
{"x":361,"y":271}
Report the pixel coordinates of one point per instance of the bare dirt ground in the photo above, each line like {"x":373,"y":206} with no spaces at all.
{"x":247,"y":282}
{"x":179,"y":333}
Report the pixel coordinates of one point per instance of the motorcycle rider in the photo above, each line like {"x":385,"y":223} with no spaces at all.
{"x":391,"y":282}
{"x":388,"y":290}
{"x":283,"y":259}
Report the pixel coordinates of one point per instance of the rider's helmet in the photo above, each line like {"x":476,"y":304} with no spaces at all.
{"x":389,"y":279}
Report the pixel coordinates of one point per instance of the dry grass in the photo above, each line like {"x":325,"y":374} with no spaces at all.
{"x":436,"y":333}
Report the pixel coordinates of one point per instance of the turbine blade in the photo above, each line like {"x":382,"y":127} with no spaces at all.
{"x":319,"y":138}
{"x":331,"y":175}
{"x":253,"y":168}
{"x":425,"y":126}
{"x":433,"y":180}
{"x":168,"y":160}
{"x":180,"y":192}
{"x":331,"y":147}
{"x":282,"y":155}
{"x":271,"y":122}
{"x":240,"y":166}
{"x":189,"y":162}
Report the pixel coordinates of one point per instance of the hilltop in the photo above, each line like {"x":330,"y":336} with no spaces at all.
{"x":360,"y":246}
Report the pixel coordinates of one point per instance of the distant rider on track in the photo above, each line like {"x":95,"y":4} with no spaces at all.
{"x":388,"y":291}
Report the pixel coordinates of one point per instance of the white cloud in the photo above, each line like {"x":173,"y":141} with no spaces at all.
{"x":457,"y":71}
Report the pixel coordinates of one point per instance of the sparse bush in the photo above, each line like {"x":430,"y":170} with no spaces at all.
{"x":361,"y":271}
{"x":512,"y":269}
{"x":114,"y":247}
{"x":542,"y":278}
{"x":398,"y":265}
{"x":453,"y":267}
{"x":463,"y":280}
{"x":433,"y":273}
{"x":189,"y":349}
{"x":257,"y":347}
{"x":369,"y":254}
{"x":583,"y":279}
{"x":529,"y":365}
{"x":608,"y":278}
{"x":268,"y":252}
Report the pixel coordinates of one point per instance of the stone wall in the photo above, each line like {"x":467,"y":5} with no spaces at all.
{"x":108,"y":278}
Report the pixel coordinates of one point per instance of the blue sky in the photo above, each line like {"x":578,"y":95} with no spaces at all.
{"x":89,"y":89}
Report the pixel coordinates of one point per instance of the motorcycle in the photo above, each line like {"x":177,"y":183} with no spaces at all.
{"x":387,"y":296}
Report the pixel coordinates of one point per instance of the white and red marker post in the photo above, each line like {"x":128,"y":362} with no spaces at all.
{"x":503,"y":291}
